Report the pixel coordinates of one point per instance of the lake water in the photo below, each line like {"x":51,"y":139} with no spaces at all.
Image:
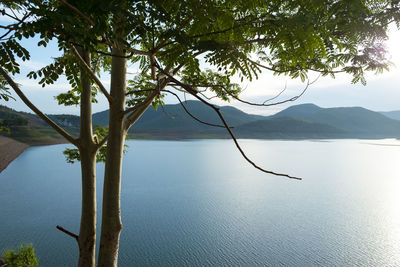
{"x":198,"y":203}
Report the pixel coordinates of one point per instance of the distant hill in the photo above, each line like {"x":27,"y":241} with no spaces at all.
{"x":305,"y":121}
{"x":30,"y":129}
{"x":395,"y":115}
{"x":357,"y":122}
{"x":298,"y":111}
{"x":171,"y":121}
{"x":175,"y":117}
{"x":287,"y":127}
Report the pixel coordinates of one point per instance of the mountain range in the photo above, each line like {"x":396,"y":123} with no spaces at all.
{"x":305,"y":121}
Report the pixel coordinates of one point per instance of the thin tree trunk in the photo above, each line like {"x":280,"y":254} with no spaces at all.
{"x":87,"y":149}
{"x":87,"y":232}
{"x":111,"y":224}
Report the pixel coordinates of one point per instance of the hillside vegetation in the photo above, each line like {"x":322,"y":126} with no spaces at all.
{"x":306,"y":121}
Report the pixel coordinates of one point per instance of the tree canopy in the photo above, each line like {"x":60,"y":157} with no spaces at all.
{"x":233,"y":37}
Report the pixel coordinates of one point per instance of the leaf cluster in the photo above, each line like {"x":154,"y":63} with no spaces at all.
{"x":72,"y":155}
{"x":9,"y":50}
{"x":216,"y":82}
{"x":5,"y":90}
{"x":139,"y":88}
{"x":25,"y":257}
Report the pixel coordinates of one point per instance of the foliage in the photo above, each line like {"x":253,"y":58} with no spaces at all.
{"x":9,"y":120}
{"x":192,"y":46}
{"x":6,"y":96}
{"x":289,"y":37}
{"x":138,"y":91}
{"x":72,"y":155}
{"x":4,"y":128}
{"x":25,"y":257}
{"x":4,"y":90}
{"x":230,"y":37}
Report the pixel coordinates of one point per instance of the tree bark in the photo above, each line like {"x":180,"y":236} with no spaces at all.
{"x":87,"y":232}
{"x":88,"y":150}
{"x":111,"y":224}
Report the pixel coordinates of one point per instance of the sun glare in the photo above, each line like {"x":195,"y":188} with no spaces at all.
{"x":393,"y":46}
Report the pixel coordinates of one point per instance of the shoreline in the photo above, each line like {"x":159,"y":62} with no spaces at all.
{"x":9,"y":150}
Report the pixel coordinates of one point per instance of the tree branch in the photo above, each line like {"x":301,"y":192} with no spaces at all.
{"x":91,"y":74}
{"x":13,"y":27}
{"x":102,"y":142}
{"x":191,"y":115}
{"x":138,"y":52}
{"x":5,"y":34}
{"x":251,"y":103}
{"x":270,"y":104}
{"x":76,"y":237}
{"x":194,"y":93}
{"x":137,"y":111}
{"x":292,"y":69}
{"x":277,"y":95}
{"x":77,"y":11}
{"x":138,"y":91}
{"x":43,"y":116}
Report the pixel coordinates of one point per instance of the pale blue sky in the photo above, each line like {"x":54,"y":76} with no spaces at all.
{"x":382,"y":93}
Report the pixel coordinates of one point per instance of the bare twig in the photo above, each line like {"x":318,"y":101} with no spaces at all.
{"x":8,"y":15}
{"x":43,"y":116}
{"x":75,"y":236}
{"x":264,"y":104}
{"x":190,"y":114}
{"x":13,"y":27}
{"x":177,"y":88}
{"x":277,"y":95}
{"x":193,"y":92}
{"x":208,"y":97}
{"x":166,"y":113}
{"x":5,"y":34}
{"x":8,"y":27}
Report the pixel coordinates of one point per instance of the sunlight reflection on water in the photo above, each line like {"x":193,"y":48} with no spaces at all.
{"x":199,"y":203}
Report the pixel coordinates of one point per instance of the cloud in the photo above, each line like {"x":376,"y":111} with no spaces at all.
{"x":31,"y":65}
{"x":33,"y":85}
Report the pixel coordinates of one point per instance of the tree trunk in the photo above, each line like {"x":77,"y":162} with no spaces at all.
{"x":111,"y":224}
{"x":87,"y":232}
{"x":88,"y":150}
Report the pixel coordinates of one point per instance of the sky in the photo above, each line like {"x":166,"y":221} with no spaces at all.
{"x":382,"y":92}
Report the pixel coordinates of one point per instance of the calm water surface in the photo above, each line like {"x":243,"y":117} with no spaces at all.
{"x":198,"y":203}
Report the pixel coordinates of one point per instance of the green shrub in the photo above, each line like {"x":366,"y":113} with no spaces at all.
{"x":25,"y":257}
